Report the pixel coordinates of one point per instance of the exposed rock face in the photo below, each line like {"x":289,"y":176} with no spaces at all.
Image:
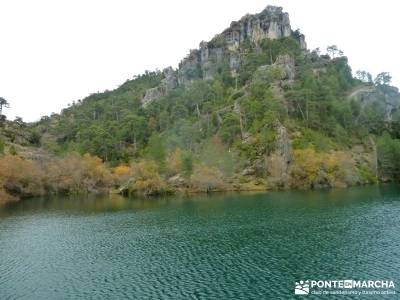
{"x":384,"y":99}
{"x":169,"y":83}
{"x":286,"y":64}
{"x":203,"y":63}
{"x":278,"y":162}
{"x":302,"y":40}
{"x":283,"y":70}
{"x":152,"y":94}
{"x":271,"y":23}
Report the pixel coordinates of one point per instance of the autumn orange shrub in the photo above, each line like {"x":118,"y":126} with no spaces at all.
{"x":96,"y":170}
{"x":73,"y":173}
{"x":76,"y":174}
{"x":5,"y":197}
{"x":174,"y":162}
{"x":333,"y":169}
{"x":307,"y":164}
{"x":146,"y":179}
{"x":206,"y":179}
{"x":121,"y":174}
{"x":21,"y":177}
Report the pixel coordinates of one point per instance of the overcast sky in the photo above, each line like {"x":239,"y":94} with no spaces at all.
{"x":55,"y":51}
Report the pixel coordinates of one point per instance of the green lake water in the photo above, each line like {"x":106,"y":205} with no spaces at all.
{"x":225,"y":246}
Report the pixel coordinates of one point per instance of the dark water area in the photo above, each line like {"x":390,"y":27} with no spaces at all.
{"x":223,"y":246}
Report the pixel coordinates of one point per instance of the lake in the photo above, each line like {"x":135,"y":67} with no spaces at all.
{"x":221,"y":246}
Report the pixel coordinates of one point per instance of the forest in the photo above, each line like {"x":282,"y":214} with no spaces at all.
{"x":286,"y":119}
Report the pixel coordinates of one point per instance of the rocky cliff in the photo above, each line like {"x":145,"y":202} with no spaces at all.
{"x":382,"y":99}
{"x":167,"y":84}
{"x":271,"y":23}
{"x":224,"y":48}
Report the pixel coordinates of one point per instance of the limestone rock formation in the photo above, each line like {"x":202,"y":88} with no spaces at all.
{"x":203,"y":63}
{"x":283,"y":70}
{"x":286,"y":64}
{"x":271,"y":23}
{"x":169,"y":83}
{"x":152,"y":94}
{"x":278,"y":162}
{"x":384,"y":99}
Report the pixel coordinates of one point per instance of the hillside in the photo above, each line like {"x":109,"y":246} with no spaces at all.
{"x":252,"y":109}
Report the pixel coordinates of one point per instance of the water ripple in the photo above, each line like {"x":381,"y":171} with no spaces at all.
{"x":232,"y":247}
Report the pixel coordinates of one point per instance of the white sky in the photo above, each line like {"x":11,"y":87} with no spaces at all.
{"x":55,"y":51}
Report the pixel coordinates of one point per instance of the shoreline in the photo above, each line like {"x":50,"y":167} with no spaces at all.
{"x":183,"y":192}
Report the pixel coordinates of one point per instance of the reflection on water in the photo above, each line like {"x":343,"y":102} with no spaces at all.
{"x":109,"y":203}
{"x":237,"y":246}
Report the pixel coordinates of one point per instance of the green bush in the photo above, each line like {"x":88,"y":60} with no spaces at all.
{"x":2,"y":146}
{"x":389,"y":156}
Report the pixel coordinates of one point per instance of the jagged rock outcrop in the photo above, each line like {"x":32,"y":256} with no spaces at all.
{"x":302,"y":41}
{"x":271,"y":23}
{"x":278,"y":162}
{"x":169,"y":83}
{"x":283,"y":71}
{"x":203,"y":63}
{"x":384,"y":99}
{"x":152,"y":94}
{"x":170,"y":80}
{"x":287,"y":66}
